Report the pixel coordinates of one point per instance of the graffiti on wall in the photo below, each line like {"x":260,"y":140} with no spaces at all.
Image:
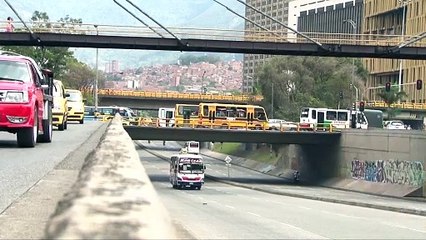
{"x":392,"y":171}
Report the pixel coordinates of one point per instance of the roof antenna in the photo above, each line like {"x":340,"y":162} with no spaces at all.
{"x":138,"y":18}
{"x":29,"y":30}
{"x":283,"y":25}
{"x":253,"y":22}
{"x":140,"y":10}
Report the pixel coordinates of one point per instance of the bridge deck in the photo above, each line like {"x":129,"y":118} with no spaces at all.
{"x":225,"y":135}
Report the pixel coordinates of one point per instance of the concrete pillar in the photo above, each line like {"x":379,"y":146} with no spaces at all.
{"x":204,"y":145}
{"x":250,"y":146}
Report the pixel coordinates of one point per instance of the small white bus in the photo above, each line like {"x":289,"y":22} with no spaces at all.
{"x":187,"y":170}
{"x":338,"y":118}
{"x":166,"y":117}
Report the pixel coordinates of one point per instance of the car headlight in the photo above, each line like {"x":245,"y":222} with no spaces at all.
{"x":16,"y":97}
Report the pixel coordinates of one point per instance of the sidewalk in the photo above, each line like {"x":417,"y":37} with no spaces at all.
{"x":248,"y":178}
{"x":416,"y":207}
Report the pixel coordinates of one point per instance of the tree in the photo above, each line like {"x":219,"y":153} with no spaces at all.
{"x":53,"y":58}
{"x":304,"y":82}
{"x":391,"y":97}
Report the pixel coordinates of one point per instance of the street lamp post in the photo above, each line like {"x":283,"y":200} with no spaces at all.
{"x":272,"y":101}
{"x":353,"y":24}
{"x":202,"y":82}
{"x":404,"y":5}
{"x":96,"y":78}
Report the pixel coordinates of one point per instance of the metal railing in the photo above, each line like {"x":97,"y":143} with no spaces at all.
{"x":215,"y":34}
{"x":182,"y":96}
{"x":224,"y":125}
{"x":381,"y":104}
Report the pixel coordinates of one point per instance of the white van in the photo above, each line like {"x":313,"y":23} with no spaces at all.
{"x":166,"y":117}
{"x":187,"y":170}
{"x":192,"y":147}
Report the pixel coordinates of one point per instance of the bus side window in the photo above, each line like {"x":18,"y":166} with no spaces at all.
{"x":342,"y":116}
{"x":314,"y":114}
{"x":205,"y":110}
{"x":259,"y":114}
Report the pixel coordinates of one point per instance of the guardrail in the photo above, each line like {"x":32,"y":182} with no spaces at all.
{"x":223,"y":124}
{"x":113,"y":197}
{"x":184,"y":96}
{"x":215,"y":34}
{"x":381,"y":104}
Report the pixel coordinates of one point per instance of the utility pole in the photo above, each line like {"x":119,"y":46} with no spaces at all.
{"x":272,"y":101}
{"x":202,"y":82}
{"x":96,"y":78}
{"x":353,"y":24}
{"x":404,"y":5}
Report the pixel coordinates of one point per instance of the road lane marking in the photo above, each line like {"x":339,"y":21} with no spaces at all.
{"x":229,"y":206}
{"x":254,"y":214}
{"x":403,"y":227}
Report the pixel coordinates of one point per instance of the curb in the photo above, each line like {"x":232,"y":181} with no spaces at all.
{"x":323,"y":199}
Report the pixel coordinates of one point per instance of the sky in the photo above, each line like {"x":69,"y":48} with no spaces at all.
{"x":170,"y":13}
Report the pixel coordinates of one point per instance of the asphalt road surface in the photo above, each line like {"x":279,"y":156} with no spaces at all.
{"x":222,"y":211}
{"x":21,"y":168}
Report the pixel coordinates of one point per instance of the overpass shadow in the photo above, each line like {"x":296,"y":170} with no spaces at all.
{"x":8,"y":144}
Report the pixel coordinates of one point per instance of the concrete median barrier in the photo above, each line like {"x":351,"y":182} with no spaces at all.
{"x":113,"y":197}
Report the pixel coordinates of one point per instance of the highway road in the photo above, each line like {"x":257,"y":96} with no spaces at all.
{"x":222,"y":211}
{"x":21,"y":168}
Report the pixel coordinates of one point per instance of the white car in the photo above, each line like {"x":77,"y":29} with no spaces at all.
{"x":395,"y":124}
{"x":277,"y":124}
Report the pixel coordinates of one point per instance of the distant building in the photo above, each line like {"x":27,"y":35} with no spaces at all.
{"x":275,"y":8}
{"x":387,"y":18}
{"x":325,"y":16}
{"x":112,"y":67}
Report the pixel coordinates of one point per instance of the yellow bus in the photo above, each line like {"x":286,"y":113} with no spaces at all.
{"x":186,"y":115}
{"x":220,"y":115}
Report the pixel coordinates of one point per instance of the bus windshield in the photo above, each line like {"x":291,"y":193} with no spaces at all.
{"x":190,"y":110}
{"x":191,"y":165}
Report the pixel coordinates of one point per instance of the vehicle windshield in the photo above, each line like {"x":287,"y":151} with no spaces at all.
{"x":74,"y":97}
{"x":191,"y":165}
{"x":191,"y":168}
{"x":15,"y":71}
{"x":56,"y":90}
{"x":305,"y":113}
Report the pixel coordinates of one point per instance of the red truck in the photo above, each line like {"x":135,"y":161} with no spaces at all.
{"x":26,"y":99}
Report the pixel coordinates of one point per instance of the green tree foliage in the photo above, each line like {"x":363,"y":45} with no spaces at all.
{"x":187,"y":59}
{"x":304,"y":82}
{"x":53,"y":58}
{"x":391,"y":97}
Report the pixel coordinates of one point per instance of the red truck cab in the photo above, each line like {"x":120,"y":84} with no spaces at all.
{"x":25,"y":99}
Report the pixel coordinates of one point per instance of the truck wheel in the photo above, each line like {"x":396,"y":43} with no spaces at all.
{"x":27,"y":137}
{"x":81,"y":121}
{"x":46,"y":137}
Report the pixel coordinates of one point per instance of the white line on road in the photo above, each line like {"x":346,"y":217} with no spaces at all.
{"x":404,"y":227}
{"x":229,"y":206}
{"x":254,"y":214}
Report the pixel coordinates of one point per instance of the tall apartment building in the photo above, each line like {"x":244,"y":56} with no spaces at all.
{"x":112,"y":67}
{"x":275,"y":8}
{"x":386,"y":17}
{"x":303,"y":15}
{"x":325,"y":16}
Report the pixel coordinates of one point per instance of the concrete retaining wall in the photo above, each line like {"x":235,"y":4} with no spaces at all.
{"x":374,"y":161}
{"x":113,"y":197}
{"x":384,"y":157}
